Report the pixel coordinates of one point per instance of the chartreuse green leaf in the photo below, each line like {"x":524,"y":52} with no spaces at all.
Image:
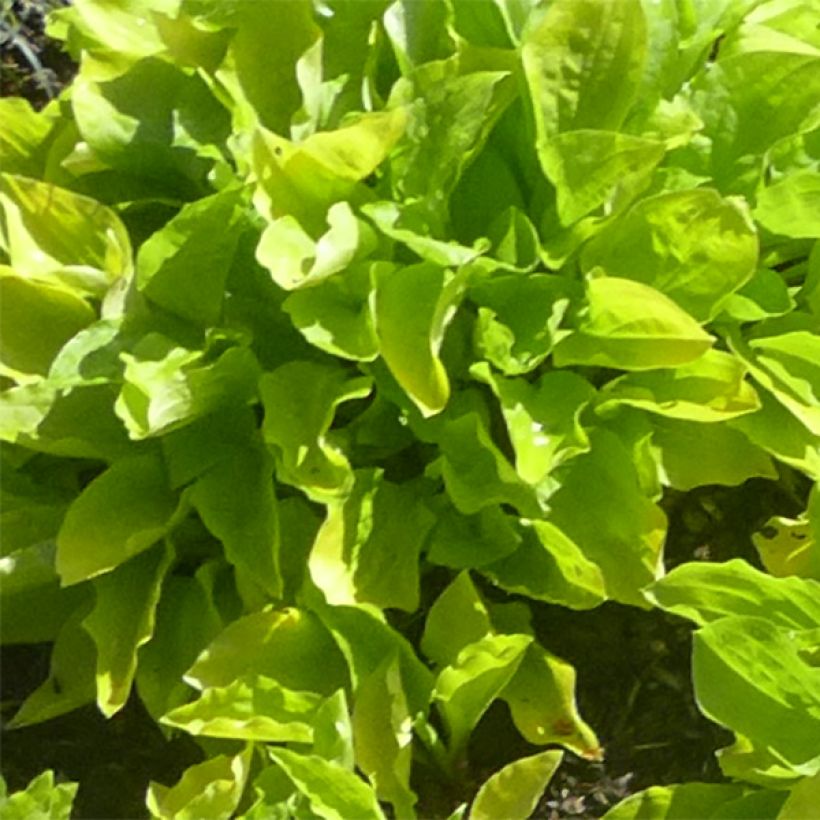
{"x":625,"y":540}
{"x":458,"y":617}
{"x":549,"y":566}
{"x":184,"y":265}
{"x":631,"y":326}
{"x":679,"y":802}
{"x":519,"y":318}
{"x":57,"y":236}
{"x":167,"y":385}
{"x":778,"y":431}
{"x":303,"y":180}
{"x":123,"y":620}
{"x":694,"y":246}
{"x":236,"y":501}
{"x":708,"y":592}
{"x":790,"y":206}
{"x":333,"y":730}
{"x":277,"y":797}
{"x":334,"y":793}
{"x":253,"y":707}
{"x":288,"y":645}
{"x":583,"y":62}
{"x":476,"y":473}
{"x":789,"y":366}
{"x":514,"y":241}
{"x":750,"y":675}
{"x":748,"y":102}
{"x":86,"y":20}
{"x":709,"y":389}
{"x":765,"y":294}
{"x":466,"y":688}
{"x":410,"y":225}
{"x":541,"y":693}
{"x":410,"y":341}
{"x":49,"y":417}
{"x":186,"y":621}
{"x":541,"y":697}
{"x":755,"y":763}
{"x":336,"y":316}
{"x":383,"y":735}
{"x":42,"y":799}
{"x":195,"y":449}
{"x":148,"y":114}
{"x":300,"y":399}
{"x":122,"y":512}
{"x":367,"y":549}
{"x":591,"y":168}
{"x":692,"y":454}
{"x":469,"y":541}
{"x":790,"y":546}
{"x":366,"y":639}
{"x":24,"y":138}
{"x":514,"y":791}
{"x":209,"y":789}
{"x":802,"y":799}
{"x":259,"y":67}
{"x":451,"y":115}
{"x":36,"y":320}
{"x":542,"y":418}
{"x":70,"y":683}
{"x":295,"y":261}
{"x":418,"y":33}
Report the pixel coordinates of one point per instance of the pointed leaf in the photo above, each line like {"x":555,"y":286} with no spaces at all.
{"x":42,"y":799}
{"x":121,"y":513}
{"x":183,"y":266}
{"x":290,"y":646}
{"x":583,"y":62}
{"x":541,"y":697}
{"x":632,"y":326}
{"x":707,"y":592}
{"x":592,"y":168}
{"x":465,"y":689}
{"x":542,"y":418}
{"x":410,"y":340}
{"x":514,"y":791}
{"x":790,"y":206}
{"x":236,"y":502}
{"x":625,"y":536}
{"x":549,"y":566}
{"x":334,"y":793}
{"x":749,"y":675}
{"x":693,"y":246}
{"x":49,"y":229}
{"x":300,"y":400}
{"x":36,"y":320}
{"x":383,"y":733}
{"x":457,"y":618}
{"x":365,"y":552}
{"x":711,"y":388}
{"x":122,"y":621}
{"x":253,"y":707}
{"x":211,"y":789}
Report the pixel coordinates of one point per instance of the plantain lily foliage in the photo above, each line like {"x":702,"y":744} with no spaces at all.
{"x":309,"y":305}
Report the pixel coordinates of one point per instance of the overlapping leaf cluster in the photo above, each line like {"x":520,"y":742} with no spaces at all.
{"x":302,"y":300}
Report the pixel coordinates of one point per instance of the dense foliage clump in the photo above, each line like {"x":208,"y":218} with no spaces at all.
{"x":375,"y":371}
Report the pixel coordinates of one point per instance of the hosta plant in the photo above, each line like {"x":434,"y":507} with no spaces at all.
{"x":338,"y":336}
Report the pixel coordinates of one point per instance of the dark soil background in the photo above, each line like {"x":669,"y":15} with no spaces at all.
{"x":634,"y":681}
